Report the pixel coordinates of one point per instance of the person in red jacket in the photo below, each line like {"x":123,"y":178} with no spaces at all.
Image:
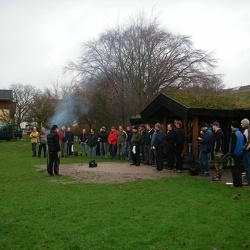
{"x":112,"y":140}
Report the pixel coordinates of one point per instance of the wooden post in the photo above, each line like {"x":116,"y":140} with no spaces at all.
{"x":165,"y":124}
{"x":195,"y":132}
{"x":185,"y":127}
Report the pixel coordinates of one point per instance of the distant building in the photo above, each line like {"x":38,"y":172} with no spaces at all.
{"x":6,"y":104}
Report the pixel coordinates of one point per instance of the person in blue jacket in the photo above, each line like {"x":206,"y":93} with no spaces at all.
{"x":236,"y":146}
{"x":157,"y":144}
{"x":206,"y":142}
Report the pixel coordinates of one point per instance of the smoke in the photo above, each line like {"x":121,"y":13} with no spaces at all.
{"x":68,"y":111}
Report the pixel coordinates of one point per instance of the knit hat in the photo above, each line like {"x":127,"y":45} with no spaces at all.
{"x":245,"y":122}
{"x":235,"y":124}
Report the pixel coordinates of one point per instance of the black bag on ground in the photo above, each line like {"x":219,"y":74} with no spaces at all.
{"x":194,"y":169}
{"x":93,"y":164}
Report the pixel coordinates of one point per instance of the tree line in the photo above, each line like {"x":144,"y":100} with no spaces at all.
{"x":119,"y":73}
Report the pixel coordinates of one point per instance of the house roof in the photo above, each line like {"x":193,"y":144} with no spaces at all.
{"x":6,"y":95}
{"x":163,"y":104}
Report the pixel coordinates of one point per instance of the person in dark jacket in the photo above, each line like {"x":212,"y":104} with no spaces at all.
{"x":218,"y":146}
{"x":83,"y":138}
{"x":127,"y":150}
{"x":236,"y":146}
{"x":69,"y":140}
{"x":246,"y":151}
{"x":142,"y":131}
{"x":103,"y":142}
{"x":147,"y":148}
{"x":170,"y":139}
{"x":53,"y":151}
{"x":206,"y":144}
{"x":135,"y":146}
{"x":158,"y":143}
{"x":92,"y":140}
{"x":179,"y":145}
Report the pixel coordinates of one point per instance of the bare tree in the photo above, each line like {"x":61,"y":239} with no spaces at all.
{"x":139,"y":60}
{"x":41,"y":108}
{"x":23,"y":96}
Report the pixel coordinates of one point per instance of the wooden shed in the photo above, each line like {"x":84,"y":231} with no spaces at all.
{"x":6,"y":103}
{"x":165,"y":109}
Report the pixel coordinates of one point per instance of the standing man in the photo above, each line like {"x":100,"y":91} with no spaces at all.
{"x":135,"y":146}
{"x":33,"y":139}
{"x":121,"y":138}
{"x":92,"y":140}
{"x":54,"y":151}
{"x":206,"y":144}
{"x":170,"y":139}
{"x":246,"y":152}
{"x":69,"y":141}
{"x":83,"y":139}
{"x":236,"y":145}
{"x":42,"y":140}
{"x":158,"y":143}
{"x":64,"y":143}
{"x":179,"y":145}
{"x":127,"y":150}
{"x":142,"y":143}
{"x":218,"y":146}
{"x":103,"y":142}
{"x":147,"y":148}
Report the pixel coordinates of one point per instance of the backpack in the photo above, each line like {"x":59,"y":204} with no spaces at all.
{"x":93,"y":164}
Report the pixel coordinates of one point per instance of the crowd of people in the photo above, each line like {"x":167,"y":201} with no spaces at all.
{"x":150,"y":146}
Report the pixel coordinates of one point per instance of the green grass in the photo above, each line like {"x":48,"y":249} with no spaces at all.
{"x":174,"y":213}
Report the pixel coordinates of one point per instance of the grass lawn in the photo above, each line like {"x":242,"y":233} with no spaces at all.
{"x":172,"y":213}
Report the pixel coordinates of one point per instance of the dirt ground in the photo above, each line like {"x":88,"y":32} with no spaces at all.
{"x":118,"y":172}
{"x":110,"y":172}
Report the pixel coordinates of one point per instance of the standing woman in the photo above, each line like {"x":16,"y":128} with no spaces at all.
{"x":33,"y":139}
{"x":112,"y":139}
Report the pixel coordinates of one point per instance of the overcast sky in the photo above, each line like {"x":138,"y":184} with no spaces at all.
{"x":37,"y":38}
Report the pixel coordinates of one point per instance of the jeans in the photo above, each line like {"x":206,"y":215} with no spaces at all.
{"x":121,"y":150}
{"x":112,"y":149}
{"x":92,"y":151}
{"x":246,"y":161}
{"x":205,"y":162}
{"x":83,"y":147}
{"x":103,"y":149}
{"x":127,"y":150}
{"x":64,"y":149}
{"x":33,"y":146}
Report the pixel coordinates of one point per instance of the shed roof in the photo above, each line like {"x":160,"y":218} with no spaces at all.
{"x":6,"y":95}
{"x":163,"y":103}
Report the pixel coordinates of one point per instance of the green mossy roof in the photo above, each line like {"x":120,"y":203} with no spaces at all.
{"x":239,"y":100}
